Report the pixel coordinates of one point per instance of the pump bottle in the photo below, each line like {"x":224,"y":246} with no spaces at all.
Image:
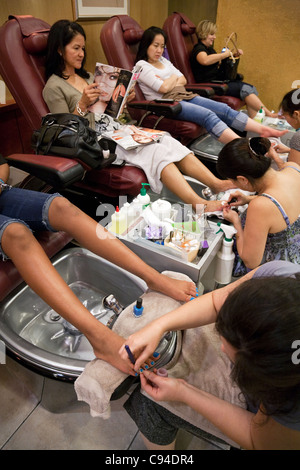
{"x":225,"y":257}
{"x":143,"y":197}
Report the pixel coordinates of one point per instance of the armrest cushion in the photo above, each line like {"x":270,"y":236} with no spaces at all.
{"x":57,"y":171}
{"x":162,"y":109}
{"x":219,"y":88}
{"x":203,"y":90}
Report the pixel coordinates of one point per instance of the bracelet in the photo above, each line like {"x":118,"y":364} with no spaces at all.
{"x":79,"y":110}
{"x":2,"y":182}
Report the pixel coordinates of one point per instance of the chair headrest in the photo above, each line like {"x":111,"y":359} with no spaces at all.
{"x":132,"y":32}
{"x":186,"y":25}
{"x":36,"y":43}
{"x":133,"y":36}
{"x":34,"y":31}
{"x":187,"y":29}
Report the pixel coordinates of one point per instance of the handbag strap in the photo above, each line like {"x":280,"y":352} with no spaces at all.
{"x":233,"y":39}
{"x":41,"y":139}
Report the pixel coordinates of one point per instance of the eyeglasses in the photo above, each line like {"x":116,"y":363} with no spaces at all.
{"x":256,"y":147}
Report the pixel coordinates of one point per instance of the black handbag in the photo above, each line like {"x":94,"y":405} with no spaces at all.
{"x":228,"y":69}
{"x":68,"y":135}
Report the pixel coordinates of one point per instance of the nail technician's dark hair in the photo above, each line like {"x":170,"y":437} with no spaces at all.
{"x":260,"y":319}
{"x":244,"y":157}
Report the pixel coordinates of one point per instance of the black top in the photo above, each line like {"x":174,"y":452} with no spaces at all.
{"x":203,"y":73}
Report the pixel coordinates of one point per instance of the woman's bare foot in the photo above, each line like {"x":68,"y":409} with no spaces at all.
{"x":269,"y":132}
{"x":214,"y":206}
{"x":223,"y":185}
{"x":175,"y":288}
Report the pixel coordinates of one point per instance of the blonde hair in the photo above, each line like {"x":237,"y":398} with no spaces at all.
{"x":204,"y":28}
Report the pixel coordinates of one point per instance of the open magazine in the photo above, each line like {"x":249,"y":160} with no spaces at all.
{"x":115,"y":85}
{"x":130,"y":137}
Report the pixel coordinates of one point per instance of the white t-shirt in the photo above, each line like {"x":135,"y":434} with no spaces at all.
{"x":152,"y":78}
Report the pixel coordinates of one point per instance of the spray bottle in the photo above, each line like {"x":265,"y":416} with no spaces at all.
{"x":225,"y":257}
{"x":143,"y":197}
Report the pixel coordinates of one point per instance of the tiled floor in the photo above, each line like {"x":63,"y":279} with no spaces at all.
{"x":38,"y":413}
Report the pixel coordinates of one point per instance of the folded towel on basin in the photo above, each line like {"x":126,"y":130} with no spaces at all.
{"x":99,"y":379}
{"x":202,"y":363}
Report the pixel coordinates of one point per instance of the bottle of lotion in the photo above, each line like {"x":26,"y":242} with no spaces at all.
{"x":143,"y":197}
{"x":225,"y":257}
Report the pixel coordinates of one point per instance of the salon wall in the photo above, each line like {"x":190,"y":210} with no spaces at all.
{"x":145,"y":13}
{"x":268,"y":33}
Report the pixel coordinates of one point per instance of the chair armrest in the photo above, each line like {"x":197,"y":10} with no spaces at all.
{"x":203,"y":90}
{"x":220,"y":88}
{"x":57,"y":171}
{"x":162,"y":109}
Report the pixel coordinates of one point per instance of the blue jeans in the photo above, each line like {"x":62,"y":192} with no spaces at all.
{"x":214,"y":116}
{"x":29,"y":208}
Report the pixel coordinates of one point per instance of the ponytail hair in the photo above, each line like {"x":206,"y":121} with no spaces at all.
{"x":244,"y":157}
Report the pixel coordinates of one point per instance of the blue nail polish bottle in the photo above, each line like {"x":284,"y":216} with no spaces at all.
{"x":138,"y":308}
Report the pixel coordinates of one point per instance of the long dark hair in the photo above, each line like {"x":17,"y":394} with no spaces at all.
{"x":147,"y":40}
{"x":244,"y":157}
{"x":61,"y":34}
{"x":261,"y":320}
{"x":291,"y":102}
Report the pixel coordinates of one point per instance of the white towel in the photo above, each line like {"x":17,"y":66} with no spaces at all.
{"x":202,"y":363}
{"x":99,"y":379}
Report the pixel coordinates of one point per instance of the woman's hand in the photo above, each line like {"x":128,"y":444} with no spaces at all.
{"x":281,"y":148}
{"x":162,"y":388}
{"x":89,"y":96}
{"x":142,"y":344}
{"x":226,"y":53}
{"x":238,"y":53}
{"x":238,"y":199}
{"x":272,"y":153}
{"x":231,"y":216}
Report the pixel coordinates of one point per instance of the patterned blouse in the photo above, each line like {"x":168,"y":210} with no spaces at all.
{"x":284,"y":245}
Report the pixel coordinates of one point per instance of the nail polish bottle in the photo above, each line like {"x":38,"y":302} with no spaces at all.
{"x":138,"y":308}
{"x":105,"y":150}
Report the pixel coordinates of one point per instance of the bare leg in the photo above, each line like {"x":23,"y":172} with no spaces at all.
{"x":227,"y":136}
{"x":151,"y":446}
{"x":173,"y":179}
{"x":192,"y":166}
{"x":254,"y":104}
{"x":263,"y":131}
{"x":38,"y":272}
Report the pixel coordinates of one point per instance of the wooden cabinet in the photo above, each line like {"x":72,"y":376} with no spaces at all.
{"x":15,"y":134}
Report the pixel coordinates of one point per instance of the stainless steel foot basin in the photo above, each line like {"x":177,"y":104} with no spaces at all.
{"x":39,"y":338}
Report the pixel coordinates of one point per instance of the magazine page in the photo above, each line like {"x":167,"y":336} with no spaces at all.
{"x":130,"y":137}
{"x":135,"y":75}
{"x":115,"y":85}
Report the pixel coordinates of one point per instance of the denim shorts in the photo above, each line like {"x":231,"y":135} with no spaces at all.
{"x":29,"y":208}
